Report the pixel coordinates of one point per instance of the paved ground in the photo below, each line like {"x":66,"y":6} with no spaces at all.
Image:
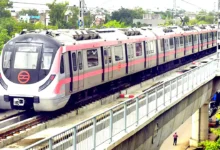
{"x":184,"y":132}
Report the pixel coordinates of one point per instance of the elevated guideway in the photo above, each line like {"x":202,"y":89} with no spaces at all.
{"x":145,"y":121}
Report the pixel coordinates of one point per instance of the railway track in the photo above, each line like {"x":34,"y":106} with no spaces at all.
{"x":12,"y":123}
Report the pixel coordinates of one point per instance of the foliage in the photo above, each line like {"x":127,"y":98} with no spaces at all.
{"x":73,"y":20}
{"x":186,"y":19}
{"x":4,"y":4}
{"x":193,"y":22}
{"x":30,"y":12}
{"x":212,"y":145}
{"x":123,"y":15}
{"x":107,"y":17}
{"x":88,"y":18}
{"x":57,"y":13}
{"x":167,"y":14}
{"x":114,"y":24}
{"x":138,"y":13}
{"x":9,"y":26}
{"x":203,"y":18}
{"x":217,"y":115}
{"x":127,"y":15}
{"x":4,"y":37}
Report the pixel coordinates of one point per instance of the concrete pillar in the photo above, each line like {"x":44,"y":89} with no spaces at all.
{"x":194,"y":140}
{"x":199,"y":126}
{"x":204,"y":122}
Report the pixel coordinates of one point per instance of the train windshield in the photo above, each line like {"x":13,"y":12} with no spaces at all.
{"x":47,"y":57}
{"x":26,"y":58}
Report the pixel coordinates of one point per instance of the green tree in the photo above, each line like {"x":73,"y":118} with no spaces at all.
{"x":127,"y":15}
{"x":138,"y":13}
{"x":57,"y":13}
{"x":114,"y":24}
{"x":4,"y":37}
{"x":186,"y":19}
{"x":73,"y":20}
{"x":193,"y":22}
{"x":210,"y":145}
{"x":88,"y":18}
{"x":107,"y":17}
{"x":30,"y":12}
{"x":4,"y":4}
{"x":205,"y":18}
{"x":123,"y":15}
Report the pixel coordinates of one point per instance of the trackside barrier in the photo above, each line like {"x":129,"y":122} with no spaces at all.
{"x":100,"y":130}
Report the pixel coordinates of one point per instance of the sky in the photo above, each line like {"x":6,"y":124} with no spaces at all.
{"x":116,"y":4}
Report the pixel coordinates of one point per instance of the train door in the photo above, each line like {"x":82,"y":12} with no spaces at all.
{"x":108,"y":63}
{"x":130,"y":50}
{"x":81,"y":70}
{"x":78,"y":72}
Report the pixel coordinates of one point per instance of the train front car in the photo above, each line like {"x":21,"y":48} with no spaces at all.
{"x":29,"y":74}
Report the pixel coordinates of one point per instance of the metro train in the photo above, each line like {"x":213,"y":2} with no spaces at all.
{"x":44,"y":70}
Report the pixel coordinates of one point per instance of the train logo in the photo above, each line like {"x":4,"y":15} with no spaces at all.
{"x":23,"y":77}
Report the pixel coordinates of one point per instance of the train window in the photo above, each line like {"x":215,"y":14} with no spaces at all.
{"x":201,"y":38}
{"x":150,"y":48}
{"x":92,"y":58}
{"x":190,"y":40}
{"x":130,"y":49}
{"x":61,"y":65}
{"x":210,"y":36}
{"x":187,"y":40}
{"x":215,"y":33}
{"x":138,"y":49}
{"x":195,"y":39}
{"x":177,"y":42}
{"x":7,"y":58}
{"x":107,"y":55}
{"x":161,"y":45}
{"x":146,"y":47}
{"x":181,"y":41}
{"x":166,"y":44}
{"x":74,"y":61}
{"x":46,"y":61}
{"x":204,"y":37}
{"x":118,"y":50}
{"x":26,"y":60}
{"x":80,"y":60}
{"x":171,"y":43}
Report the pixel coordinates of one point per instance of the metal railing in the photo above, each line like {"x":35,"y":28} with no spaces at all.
{"x":100,"y":130}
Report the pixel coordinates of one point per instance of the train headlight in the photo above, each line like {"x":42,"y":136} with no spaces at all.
{"x":5,"y":86}
{"x":42,"y":87}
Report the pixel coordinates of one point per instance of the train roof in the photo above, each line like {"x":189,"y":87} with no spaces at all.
{"x":72,"y":36}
